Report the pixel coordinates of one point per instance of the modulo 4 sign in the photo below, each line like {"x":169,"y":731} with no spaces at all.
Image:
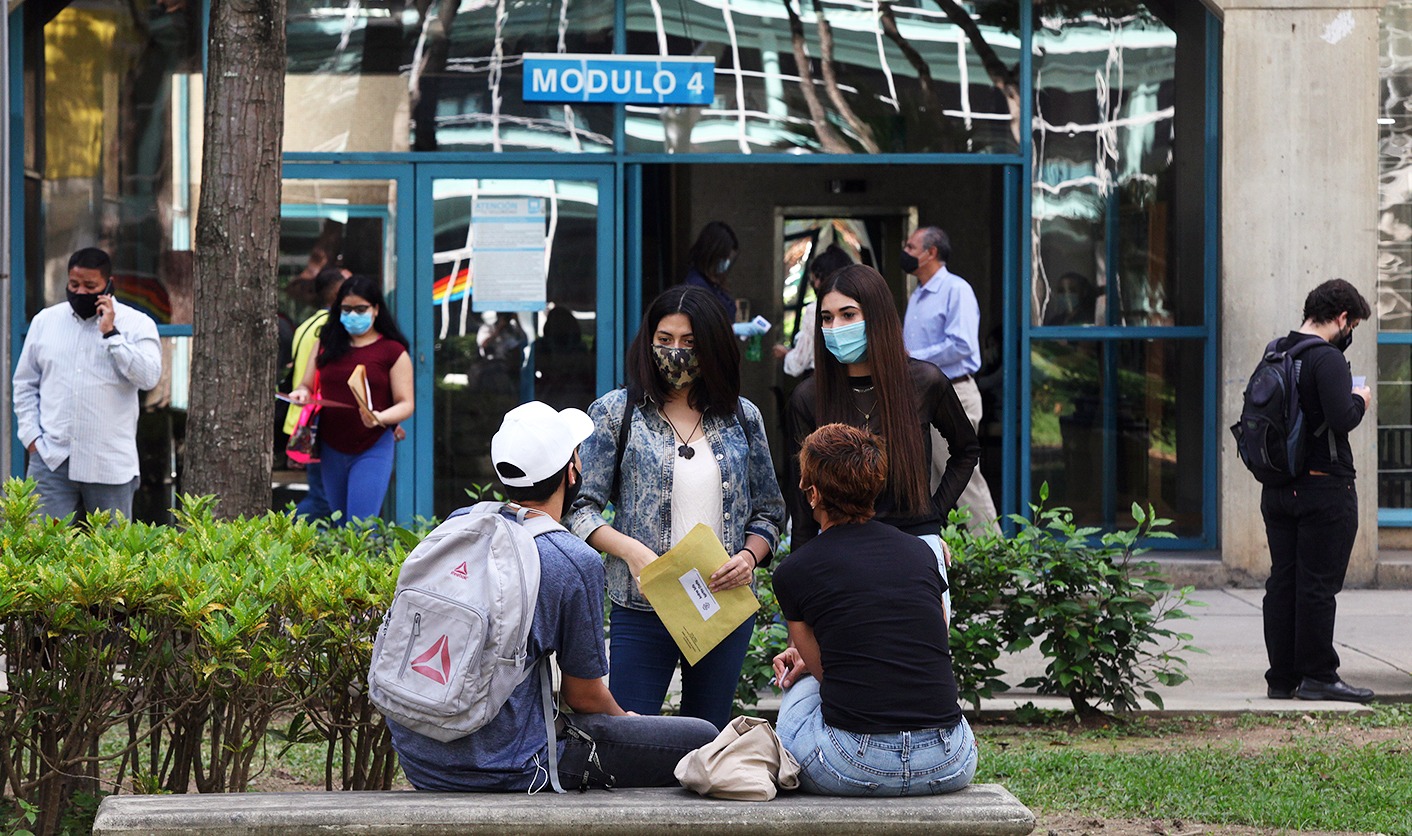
{"x":611,"y":79}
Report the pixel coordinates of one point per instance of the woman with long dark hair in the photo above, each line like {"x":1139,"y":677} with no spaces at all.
{"x":864,"y":377}
{"x":692,"y":451}
{"x":356,"y":445}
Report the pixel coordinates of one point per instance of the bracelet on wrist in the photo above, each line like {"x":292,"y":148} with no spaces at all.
{"x":752,"y":554}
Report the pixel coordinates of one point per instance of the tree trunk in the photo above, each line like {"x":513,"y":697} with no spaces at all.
{"x":229,"y":449}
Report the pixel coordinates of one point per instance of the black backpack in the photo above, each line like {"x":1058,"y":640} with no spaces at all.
{"x":1271,"y":433}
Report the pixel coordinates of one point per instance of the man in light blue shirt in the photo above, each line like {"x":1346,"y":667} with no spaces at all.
{"x":76,"y":388}
{"x":942,"y":326}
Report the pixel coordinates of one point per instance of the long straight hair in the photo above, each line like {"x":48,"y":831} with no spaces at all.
{"x":334,"y":340}
{"x":908,"y":469}
{"x":718,"y":387}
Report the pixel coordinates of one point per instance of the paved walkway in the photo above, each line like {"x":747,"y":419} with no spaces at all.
{"x":1373,"y":635}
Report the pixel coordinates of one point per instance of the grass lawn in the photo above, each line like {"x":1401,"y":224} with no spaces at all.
{"x":1294,"y":772}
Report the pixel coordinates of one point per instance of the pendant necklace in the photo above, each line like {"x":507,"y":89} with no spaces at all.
{"x":685,"y":450}
{"x":867,"y":416}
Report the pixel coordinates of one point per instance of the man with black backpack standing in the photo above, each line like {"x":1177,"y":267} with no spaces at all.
{"x":535,"y":454}
{"x":1311,"y":519}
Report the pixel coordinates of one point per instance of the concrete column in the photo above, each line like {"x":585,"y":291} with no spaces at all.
{"x":1299,"y":194}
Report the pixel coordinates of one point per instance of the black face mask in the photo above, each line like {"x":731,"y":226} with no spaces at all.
{"x":86,"y":304}
{"x":909,"y":262}
{"x":1343,"y":340}
{"x":571,"y":492}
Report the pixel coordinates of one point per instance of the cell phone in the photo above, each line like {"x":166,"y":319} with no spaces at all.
{"x":1359,"y":381}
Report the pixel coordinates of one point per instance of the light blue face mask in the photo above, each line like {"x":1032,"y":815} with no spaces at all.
{"x":722,"y":266}
{"x":847,"y":342}
{"x":356,"y":324}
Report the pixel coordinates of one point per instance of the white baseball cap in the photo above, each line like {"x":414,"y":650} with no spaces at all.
{"x":535,"y":440}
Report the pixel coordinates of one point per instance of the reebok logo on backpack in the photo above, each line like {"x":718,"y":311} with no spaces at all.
{"x":1271,"y":434}
{"x":454,"y":643}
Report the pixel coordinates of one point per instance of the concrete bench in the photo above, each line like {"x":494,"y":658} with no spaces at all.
{"x":978,"y":810}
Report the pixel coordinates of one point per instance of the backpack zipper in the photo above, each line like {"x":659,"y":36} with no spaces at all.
{"x":416,"y":634}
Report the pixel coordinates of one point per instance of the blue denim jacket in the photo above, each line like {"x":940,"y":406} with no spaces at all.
{"x":644,"y":505}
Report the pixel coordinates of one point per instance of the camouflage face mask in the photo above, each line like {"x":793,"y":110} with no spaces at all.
{"x":679,"y":366}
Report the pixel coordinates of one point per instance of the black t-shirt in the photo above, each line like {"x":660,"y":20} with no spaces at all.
{"x":937,"y":406}
{"x":1326,"y":397}
{"x":872,"y":595}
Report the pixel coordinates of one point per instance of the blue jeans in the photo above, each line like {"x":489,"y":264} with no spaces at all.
{"x":643,"y":655}
{"x":60,"y":496}
{"x":313,"y":506}
{"x":837,"y":762}
{"x":355,"y":484}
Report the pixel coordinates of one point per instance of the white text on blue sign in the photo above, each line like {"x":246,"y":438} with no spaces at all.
{"x":612,"y":79}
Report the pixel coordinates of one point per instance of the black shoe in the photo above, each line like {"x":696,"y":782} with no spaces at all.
{"x":1313,"y":689}
{"x":1279,"y":693}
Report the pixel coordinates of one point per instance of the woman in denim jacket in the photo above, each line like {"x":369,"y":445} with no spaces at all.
{"x":689,"y":458}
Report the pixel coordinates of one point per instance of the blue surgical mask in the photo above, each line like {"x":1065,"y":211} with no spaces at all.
{"x":722,"y":266}
{"x":847,"y":342}
{"x":356,"y":324}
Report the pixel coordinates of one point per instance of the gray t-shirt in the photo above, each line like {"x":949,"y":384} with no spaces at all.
{"x":509,"y":753}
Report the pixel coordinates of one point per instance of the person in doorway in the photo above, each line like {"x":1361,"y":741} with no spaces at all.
{"x":535,"y":455}
{"x":870,"y":704}
{"x":1074,"y":301}
{"x":314,"y":505}
{"x":76,"y":389}
{"x":799,"y":360}
{"x":1311,"y":522}
{"x":864,"y":377}
{"x":693,"y":451}
{"x":942,"y":326}
{"x":356,"y":446}
{"x":711,"y":258}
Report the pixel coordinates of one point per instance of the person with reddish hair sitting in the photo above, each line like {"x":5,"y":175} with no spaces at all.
{"x":871,"y":704}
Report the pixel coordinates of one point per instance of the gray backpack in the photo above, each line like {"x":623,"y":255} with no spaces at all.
{"x":454,"y":643}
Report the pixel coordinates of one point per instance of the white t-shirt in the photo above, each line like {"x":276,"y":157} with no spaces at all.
{"x":696,"y":492}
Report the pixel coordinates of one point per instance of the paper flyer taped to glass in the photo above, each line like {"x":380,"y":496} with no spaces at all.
{"x":677,"y":584}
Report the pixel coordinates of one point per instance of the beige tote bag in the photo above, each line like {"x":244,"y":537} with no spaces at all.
{"x":746,"y":762}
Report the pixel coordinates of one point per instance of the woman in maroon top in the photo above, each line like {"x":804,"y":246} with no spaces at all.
{"x":356,"y":446}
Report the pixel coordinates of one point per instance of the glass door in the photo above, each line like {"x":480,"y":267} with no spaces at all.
{"x":347,"y":222}
{"x":516,"y":302}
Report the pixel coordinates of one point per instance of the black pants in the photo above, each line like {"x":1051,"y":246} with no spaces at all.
{"x":636,"y":751}
{"x":1311,"y":529}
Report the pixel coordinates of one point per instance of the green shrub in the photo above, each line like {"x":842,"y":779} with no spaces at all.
{"x":1099,"y":615}
{"x":186,"y":642}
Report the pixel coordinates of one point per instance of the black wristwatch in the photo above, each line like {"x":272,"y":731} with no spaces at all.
{"x":112,"y":333}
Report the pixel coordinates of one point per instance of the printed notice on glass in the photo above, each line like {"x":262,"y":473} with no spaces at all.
{"x":699,"y":593}
{"x":508,"y":247}
{"x":678,"y":587}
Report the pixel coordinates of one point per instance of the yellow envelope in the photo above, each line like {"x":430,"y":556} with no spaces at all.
{"x":678,"y":586}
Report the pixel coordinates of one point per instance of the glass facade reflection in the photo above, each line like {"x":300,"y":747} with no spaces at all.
{"x":1394,"y":302}
{"x":111,"y":94}
{"x":437,"y":76}
{"x":1118,"y":193}
{"x":834,"y":77}
{"x":1104,"y":106}
{"x":1106,"y":431}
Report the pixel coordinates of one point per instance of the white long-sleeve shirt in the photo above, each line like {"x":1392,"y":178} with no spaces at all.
{"x":800,"y":359}
{"x":76,"y":392}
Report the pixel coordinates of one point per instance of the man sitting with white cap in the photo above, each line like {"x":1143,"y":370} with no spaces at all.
{"x":535,"y":454}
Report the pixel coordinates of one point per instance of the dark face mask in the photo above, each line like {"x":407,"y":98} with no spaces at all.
{"x":909,"y":262}
{"x":571,"y":491}
{"x":1344,"y":339}
{"x":86,"y":304}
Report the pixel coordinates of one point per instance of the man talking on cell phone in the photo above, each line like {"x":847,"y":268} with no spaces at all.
{"x":76,"y":393}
